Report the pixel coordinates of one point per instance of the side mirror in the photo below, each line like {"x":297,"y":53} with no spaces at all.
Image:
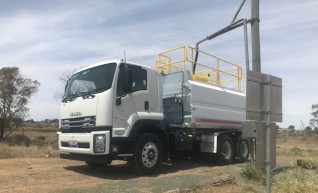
{"x":127,"y":79}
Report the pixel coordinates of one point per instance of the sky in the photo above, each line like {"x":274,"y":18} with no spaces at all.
{"x":48,"y":38}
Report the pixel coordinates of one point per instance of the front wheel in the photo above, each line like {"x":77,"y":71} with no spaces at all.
{"x":147,"y":155}
{"x":225,"y":150}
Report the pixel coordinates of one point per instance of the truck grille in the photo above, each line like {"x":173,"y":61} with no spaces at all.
{"x":79,"y":145}
{"x":78,"y":125}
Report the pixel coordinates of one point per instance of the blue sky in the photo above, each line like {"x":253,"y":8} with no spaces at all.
{"x":46,"y":38}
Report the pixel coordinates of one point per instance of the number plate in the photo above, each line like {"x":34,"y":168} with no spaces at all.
{"x":72,"y":143}
{"x":206,"y":147}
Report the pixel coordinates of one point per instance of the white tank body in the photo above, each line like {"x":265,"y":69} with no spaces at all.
{"x":194,"y":104}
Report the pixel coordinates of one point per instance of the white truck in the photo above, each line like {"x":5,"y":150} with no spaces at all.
{"x":118,"y":110}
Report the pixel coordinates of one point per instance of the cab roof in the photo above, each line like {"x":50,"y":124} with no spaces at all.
{"x":111,"y":61}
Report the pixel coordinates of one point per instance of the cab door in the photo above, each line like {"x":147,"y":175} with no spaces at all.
{"x":132,"y":97}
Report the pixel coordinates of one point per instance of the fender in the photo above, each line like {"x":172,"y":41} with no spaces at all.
{"x":138,"y":119}
{"x":151,"y":126}
{"x":144,"y":125}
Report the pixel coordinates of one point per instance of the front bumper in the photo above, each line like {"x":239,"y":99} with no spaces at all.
{"x":81,"y":143}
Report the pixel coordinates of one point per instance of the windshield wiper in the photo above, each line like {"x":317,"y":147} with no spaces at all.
{"x":91,"y":95}
{"x":92,"y":92}
{"x":70,"y":98}
{"x":74,"y":96}
{"x":84,"y":95}
{"x":88,"y":95}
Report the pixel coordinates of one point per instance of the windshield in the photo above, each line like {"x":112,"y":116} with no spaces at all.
{"x":91,"y":80}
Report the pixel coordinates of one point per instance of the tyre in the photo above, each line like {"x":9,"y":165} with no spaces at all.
{"x":243,"y":150}
{"x":148,"y":154}
{"x":225,"y":150}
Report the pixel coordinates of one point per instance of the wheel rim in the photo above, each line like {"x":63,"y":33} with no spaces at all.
{"x":226,"y":150}
{"x":243,"y":149}
{"x":149,"y":155}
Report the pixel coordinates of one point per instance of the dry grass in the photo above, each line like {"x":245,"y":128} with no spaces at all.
{"x":298,"y":141}
{"x":8,"y":152}
{"x":291,"y":179}
{"x":29,"y":143}
{"x":208,"y":188}
{"x":296,"y":180}
{"x":297,"y":152}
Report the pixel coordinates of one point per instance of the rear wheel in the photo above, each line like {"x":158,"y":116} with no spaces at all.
{"x":243,"y":150}
{"x":225,"y":150}
{"x":147,"y":155}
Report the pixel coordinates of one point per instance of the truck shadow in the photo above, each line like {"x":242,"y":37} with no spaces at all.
{"x":122,"y":171}
{"x":115,"y":172}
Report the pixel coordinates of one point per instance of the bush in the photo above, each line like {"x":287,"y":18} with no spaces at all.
{"x":252,"y":174}
{"x":39,"y":141}
{"x":18,"y":139}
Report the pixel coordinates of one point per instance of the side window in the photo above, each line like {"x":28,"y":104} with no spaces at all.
{"x":139,"y":79}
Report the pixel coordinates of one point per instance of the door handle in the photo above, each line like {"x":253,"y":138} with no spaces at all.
{"x":146,"y":105}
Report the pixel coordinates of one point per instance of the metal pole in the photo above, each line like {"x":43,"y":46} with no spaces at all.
{"x":252,"y":148}
{"x":246,"y":45}
{"x":256,"y":51}
{"x":268,"y":136}
{"x":256,"y":67}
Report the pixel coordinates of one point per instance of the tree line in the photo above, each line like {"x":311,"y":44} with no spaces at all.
{"x":313,"y":122}
{"x":48,"y":121}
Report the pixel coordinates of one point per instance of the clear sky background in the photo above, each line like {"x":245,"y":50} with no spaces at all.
{"x":47,"y":38}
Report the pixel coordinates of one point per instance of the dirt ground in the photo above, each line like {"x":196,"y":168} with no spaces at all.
{"x":57,"y":175}
{"x":52,"y":174}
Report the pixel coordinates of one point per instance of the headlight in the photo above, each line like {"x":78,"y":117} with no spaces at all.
{"x":99,"y":143}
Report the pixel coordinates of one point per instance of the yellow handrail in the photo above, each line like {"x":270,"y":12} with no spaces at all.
{"x":212,"y":70}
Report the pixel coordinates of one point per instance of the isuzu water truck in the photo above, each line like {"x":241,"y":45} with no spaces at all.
{"x":121,"y":110}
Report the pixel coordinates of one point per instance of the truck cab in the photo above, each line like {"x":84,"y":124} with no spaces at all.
{"x":105,"y":108}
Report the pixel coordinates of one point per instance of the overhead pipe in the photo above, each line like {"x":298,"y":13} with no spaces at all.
{"x":232,"y":26}
{"x":238,"y":11}
{"x":226,"y":29}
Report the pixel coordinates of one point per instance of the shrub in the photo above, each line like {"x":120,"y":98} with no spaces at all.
{"x":250,"y":173}
{"x":18,"y":139}
{"x":39,"y":141}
